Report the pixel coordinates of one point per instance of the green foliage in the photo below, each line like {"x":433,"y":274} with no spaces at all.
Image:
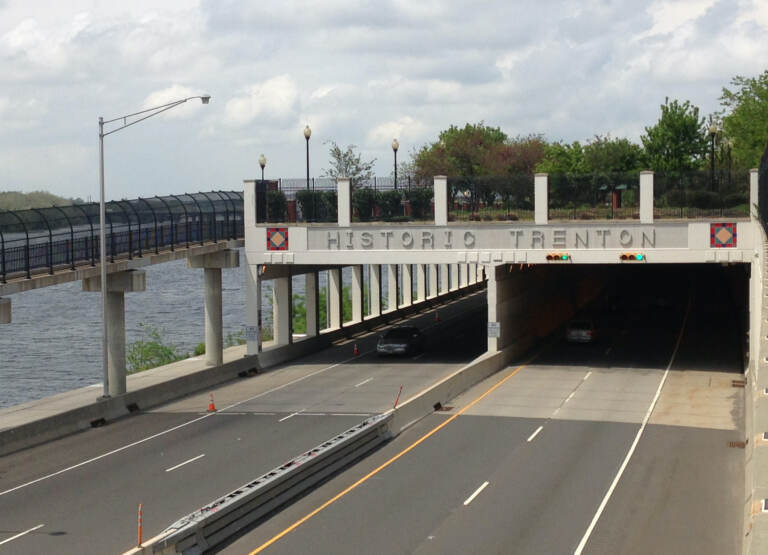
{"x":390,"y":203}
{"x":608,"y":155}
{"x":276,"y":206}
{"x":420,"y":199}
{"x":16,"y":200}
{"x":151,"y":350}
{"x":317,"y":206}
{"x":348,"y":163}
{"x":746,"y":118}
{"x":299,"y":314}
{"x":234,"y":338}
{"x":678,"y":141}
{"x":466,"y":151}
{"x":563,"y":158}
{"x":199,"y":349}
{"x":364,"y":202}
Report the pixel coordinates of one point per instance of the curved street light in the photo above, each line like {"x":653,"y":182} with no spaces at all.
{"x":144,"y":114}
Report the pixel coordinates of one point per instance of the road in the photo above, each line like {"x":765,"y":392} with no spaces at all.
{"x":616,"y":447}
{"x":80,"y":494}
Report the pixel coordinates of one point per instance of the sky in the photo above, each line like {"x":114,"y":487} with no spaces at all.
{"x":356,"y":72}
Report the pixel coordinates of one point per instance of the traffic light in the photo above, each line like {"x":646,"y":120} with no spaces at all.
{"x":633,"y":256}
{"x":558,"y":256}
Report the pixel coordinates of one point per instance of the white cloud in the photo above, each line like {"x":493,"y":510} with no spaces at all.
{"x":406,"y":129}
{"x":276,"y":99}
{"x":172,"y":94}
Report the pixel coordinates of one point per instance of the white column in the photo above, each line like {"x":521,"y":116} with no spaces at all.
{"x":541,"y":198}
{"x":472,"y":278}
{"x":421,"y":283}
{"x":392,"y":284}
{"x":407,"y":285}
{"x":253,"y":307}
{"x":281,"y":310}
{"x":441,"y":199}
{"x":445,"y":280}
{"x":310,"y":303}
{"x":646,"y":197}
{"x":335,"y":297}
{"x":357,"y":293}
{"x":480,"y":271}
{"x":5,"y":311}
{"x":493,"y":316}
{"x":375,"y":289}
{"x":344,"y":199}
{"x":454,"y":277}
{"x":463,"y":275}
{"x":249,"y":202}
{"x":753,"y":195}
{"x":432,"y":281}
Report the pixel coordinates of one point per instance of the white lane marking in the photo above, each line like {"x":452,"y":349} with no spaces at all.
{"x":351,"y":414}
{"x":534,"y":434}
{"x":647,"y":416}
{"x":312,"y":414}
{"x":418,"y":356}
{"x":7,"y":540}
{"x":570,"y":396}
{"x":364,"y":382}
{"x":556,"y":411}
{"x":173,"y":429}
{"x":289,"y":416}
{"x":585,"y":378}
{"x":185,"y":462}
{"x":477,"y":492}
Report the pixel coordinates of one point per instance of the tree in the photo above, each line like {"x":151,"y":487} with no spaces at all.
{"x":348,"y":163}
{"x":563,"y":158}
{"x":746,"y":118}
{"x":678,"y":141}
{"x":608,"y":155}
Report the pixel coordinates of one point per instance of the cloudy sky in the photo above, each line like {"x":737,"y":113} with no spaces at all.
{"x":360,"y":72}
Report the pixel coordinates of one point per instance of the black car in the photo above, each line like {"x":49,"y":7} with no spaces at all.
{"x":400,"y":340}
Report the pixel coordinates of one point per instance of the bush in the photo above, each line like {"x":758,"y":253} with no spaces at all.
{"x":390,"y":201}
{"x":420,"y":199}
{"x":276,"y":206}
{"x":317,"y":206}
{"x":702,"y":199}
{"x":330,"y":207}
{"x":734,"y":199}
{"x":364,"y":202}
{"x":151,"y":350}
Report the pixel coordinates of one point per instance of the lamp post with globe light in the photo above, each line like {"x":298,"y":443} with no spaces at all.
{"x":395,"y":146}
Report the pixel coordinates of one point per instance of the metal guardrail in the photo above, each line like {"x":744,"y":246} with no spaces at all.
{"x":67,"y":236}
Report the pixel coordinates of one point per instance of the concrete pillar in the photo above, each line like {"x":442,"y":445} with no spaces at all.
{"x":433,"y":281}
{"x":249,"y":202}
{"x":375,"y":289}
{"x":253,"y":307}
{"x":118,"y":284}
{"x":282,"y":310}
{"x":541,"y":198}
{"x":753,"y":194}
{"x":407,"y":285}
{"x":357,"y":293}
{"x":421,"y":283}
{"x":5,"y":311}
{"x":212,"y":263}
{"x":445,"y":279}
{"x":480,"y":273}
{"x":454,"y":277}
{"x":335,"y":298}
{"x":441,"y":199}
{"x":492,"y":293}
{"x":344,"y":199}
{"x":646,"y":197}
{"x":472,"y":279}
{"x":311,"y":299}
{"x":392,"y":287}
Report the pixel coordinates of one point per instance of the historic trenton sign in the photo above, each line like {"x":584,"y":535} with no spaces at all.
{"x":498,"y":237}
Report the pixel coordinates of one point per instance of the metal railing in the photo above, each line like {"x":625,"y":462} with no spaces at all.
{"x":66,"y":236}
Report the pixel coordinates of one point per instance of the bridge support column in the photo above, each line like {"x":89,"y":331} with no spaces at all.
{"x":118,"y":284}
{"x":335,"y":314}
{"x":753,"y":194}
{"x":253,"y":305}
{"x":357,"y":293}
{"x":472,"y":279}
{"x":311,"y":304}
{"x":445,"y":280}
{"x":646,"y":197}
{"x":375,"y":288}
{"x":282,"y":310}
{"x":463,"y":275}
{"x":454,"y":277}
{"x":212,"y":264}
{"x":5,"y":311}
{"x":421,"y":283}
{"x":407,"y":285}
{"x":392,"y":287}
{"x":541,"y":198}
{"x":432,"y":281}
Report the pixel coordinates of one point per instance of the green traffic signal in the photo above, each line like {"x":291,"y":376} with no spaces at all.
{"x":638,"y":257}
{"x":564,"y":257}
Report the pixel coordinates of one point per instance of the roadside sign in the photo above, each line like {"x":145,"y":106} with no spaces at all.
{"x":251,"y":333}
{"x":494,"y":329}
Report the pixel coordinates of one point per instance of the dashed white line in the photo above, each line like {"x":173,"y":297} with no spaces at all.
{"x":418,"y":356}
{"x":534,"y":434}
{"x":570,"y":396}
{"x":364,"y":382}
{"x":289,"y":416}
{"x":477,"y":492}
{"x":585,"y":378}
{"x":350,"y":414}
{"x":7,"y":540}
{"x":193,"y":459}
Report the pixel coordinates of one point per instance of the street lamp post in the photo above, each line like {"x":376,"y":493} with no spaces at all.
{"x":395,"y":146}
{"x":307,"y":135}
{"x":262,"y":163}
{"x":712,"y":134}
{"x":144,"y":114}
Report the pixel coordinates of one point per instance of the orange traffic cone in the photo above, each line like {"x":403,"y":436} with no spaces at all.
{"x":211,"y":406}
{"x":355,"y":352}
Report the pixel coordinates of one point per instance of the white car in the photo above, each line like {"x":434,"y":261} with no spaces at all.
{"x":581,"y":331}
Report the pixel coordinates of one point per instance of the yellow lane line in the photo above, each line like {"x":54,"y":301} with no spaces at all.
{"x":433,"y":431}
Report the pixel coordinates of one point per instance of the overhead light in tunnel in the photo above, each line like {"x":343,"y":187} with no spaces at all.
{"x":633,"y":256}
{"x":558,"y":256}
